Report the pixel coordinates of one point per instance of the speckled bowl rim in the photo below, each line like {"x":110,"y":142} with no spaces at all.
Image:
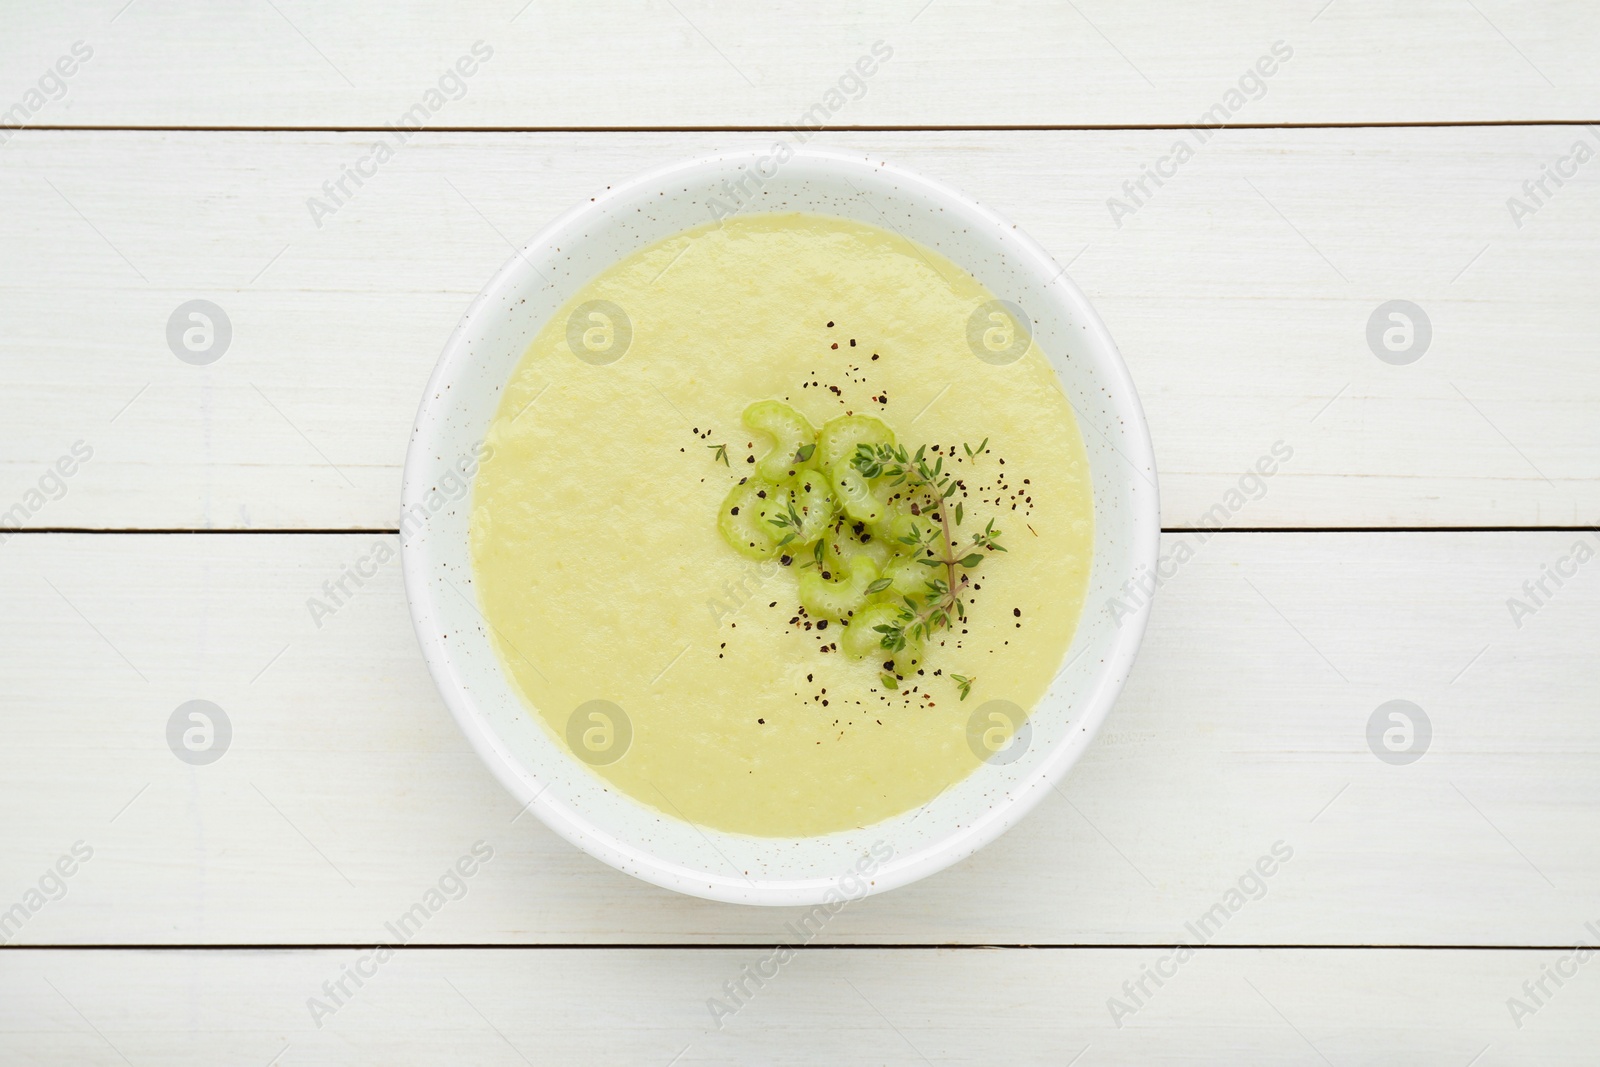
{"x":1090,"y":710}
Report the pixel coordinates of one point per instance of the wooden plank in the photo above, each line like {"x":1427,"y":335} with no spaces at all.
{"x":699,"y":63}
{"x":855,"y":1006}
{"x":1240,"y":292}
{"x":347,"y":791}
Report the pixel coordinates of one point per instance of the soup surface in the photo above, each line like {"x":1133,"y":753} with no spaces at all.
{"x":687,"y":675}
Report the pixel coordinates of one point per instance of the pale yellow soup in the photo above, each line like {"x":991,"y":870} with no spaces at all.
{"x":600,"y":568}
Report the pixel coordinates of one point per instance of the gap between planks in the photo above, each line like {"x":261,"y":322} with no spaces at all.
{"x":369,"y":531}
{"x":954,"y":128}
{"x":757,"y":946}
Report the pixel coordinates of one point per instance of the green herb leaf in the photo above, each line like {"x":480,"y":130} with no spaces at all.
{"x":927,"y":492}
{"x":963,"y":683}
{"x":721,"y":454}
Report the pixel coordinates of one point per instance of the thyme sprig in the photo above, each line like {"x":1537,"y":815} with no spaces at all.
{"x":721,"y":454}
{"x":791,"y":522}
{"x":929,"y":489}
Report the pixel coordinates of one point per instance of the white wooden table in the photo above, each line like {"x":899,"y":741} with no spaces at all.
{"x":212,"y":907}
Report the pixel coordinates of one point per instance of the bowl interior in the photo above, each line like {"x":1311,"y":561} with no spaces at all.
{"x":461,"y":401}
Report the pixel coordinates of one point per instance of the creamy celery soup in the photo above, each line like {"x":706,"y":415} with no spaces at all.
{"x":769,"y":511}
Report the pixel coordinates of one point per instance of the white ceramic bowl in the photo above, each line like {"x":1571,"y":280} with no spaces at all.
{"x":461,"y":401}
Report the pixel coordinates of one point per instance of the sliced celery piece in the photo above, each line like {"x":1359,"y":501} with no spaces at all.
{"x":855,"y":493}
{"x":840,"y":436}
{"x":814,"y":503}
{"x":863,"y":640}
{"x":907,"y":577}
{"x":897,"y":522}
{"x":744,"y":517}
{"x":842,"y":545}
{"x":860,"y":639}
{"x":792,"y":435}
{"x":835,"y":599}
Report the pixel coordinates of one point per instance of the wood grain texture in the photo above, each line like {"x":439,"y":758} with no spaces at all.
{"x":697,"y":63}
{"x":635,"y":1006}
{"x":1239,"y":292}
{"x":347,"y":789}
